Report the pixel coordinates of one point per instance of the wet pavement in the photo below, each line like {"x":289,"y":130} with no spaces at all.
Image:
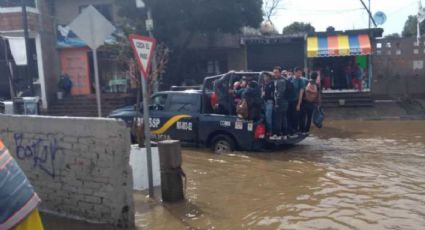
{"x":350,"y":175}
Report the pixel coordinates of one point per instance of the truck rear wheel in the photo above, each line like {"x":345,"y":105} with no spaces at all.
{"x":222,"y":144}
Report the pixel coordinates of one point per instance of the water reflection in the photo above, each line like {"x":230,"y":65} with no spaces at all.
{"x":350,"y":175}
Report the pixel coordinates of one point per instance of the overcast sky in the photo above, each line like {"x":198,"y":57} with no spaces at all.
{"x":344,"y":14}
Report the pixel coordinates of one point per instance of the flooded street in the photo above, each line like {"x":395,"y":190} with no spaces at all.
{"x":350,"y":175}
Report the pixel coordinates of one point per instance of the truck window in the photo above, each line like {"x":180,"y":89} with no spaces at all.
{"x":158,"y":102}
{"x":159,"y":99}
{"x":184,"y":103}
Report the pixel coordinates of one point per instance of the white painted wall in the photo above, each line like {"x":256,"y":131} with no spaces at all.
{"x":41,"y":77}
{"x":138,"y":163}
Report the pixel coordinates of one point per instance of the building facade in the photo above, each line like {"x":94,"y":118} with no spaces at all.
{"x":399,"y":67}
{"x":42,"y":68}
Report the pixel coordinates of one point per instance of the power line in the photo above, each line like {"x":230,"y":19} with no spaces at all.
{"x":322,"y":10}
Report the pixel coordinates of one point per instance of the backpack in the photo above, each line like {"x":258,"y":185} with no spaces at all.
{"x":242,"y":108}
{"x":290,"y":90}
{"x":67,"y":83}
{"x":311,"y":93}
{"x":213,"y":100}
{"x":318,"y":117}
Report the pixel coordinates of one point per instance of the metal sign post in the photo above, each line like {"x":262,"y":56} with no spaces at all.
{"x":143,"y":48}
{"x":97,"y":82}
{"x":147,"y":135}
{"x":93,"y":28}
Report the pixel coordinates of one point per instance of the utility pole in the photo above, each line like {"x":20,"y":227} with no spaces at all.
{"x":371,"y":20}
{"x":149,"y":28}
{"x":369,"y":16}
{"x":370,"y":63}
{"x":28,"y":74}
{"x":369,"y":12}
{"x":420,"y":18}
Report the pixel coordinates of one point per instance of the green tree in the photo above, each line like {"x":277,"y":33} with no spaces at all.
{"x":298,"y":27}
{"x":176,"y":22}
{"x":410,"y":27}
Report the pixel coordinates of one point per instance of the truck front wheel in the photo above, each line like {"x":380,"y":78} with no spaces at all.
{"x":222,"y":144}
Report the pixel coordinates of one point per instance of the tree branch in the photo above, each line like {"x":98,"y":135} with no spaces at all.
{"x":270,"y":8}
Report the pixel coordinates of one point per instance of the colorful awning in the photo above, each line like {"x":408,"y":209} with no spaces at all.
{"x":338,"y":45}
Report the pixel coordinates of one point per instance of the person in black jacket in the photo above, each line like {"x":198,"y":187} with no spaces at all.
{"x":224,"y":99}
{"x":268,"y":96}
{"x":281,"y":105}
{"x":252,"y":95}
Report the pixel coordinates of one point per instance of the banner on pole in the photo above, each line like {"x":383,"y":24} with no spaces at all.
{"x":143,"y":48}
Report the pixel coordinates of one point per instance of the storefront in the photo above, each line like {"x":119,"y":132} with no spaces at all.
{"x":343,"y":59}
{"x":76,"y":61}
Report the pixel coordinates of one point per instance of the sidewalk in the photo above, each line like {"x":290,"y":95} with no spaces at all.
{"x":380,"y":111}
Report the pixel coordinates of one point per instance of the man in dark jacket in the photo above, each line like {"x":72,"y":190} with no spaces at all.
{"x":252,"y":95}
{"x":299,"y":84}
{"x":268,"y":97}
{"x":224,"y":99}
{"x":281,"y":105}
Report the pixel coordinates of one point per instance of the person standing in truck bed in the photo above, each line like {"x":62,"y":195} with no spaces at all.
{"x":224,"y":99}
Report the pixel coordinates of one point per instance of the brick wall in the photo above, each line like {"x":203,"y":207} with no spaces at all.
{"x":79,"y":167}
{"x":13,"y":21}
{"x":399,"y":67}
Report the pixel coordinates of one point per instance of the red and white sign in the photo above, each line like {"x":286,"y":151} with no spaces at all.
{"x":143,"y":48}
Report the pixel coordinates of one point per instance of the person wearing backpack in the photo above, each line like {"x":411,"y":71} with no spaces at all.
{"x":309,"y":99}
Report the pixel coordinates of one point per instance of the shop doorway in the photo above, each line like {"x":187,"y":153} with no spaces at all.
{"x":342,"y":73}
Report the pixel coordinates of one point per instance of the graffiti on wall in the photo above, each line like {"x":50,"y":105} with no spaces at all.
{"x":41,"y":152}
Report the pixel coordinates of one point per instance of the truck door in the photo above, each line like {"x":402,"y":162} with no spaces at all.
{"x":179,"y":118}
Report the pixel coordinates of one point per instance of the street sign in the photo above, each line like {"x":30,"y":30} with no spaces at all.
{"x":143,"y":48}
{"x":92,"y":27}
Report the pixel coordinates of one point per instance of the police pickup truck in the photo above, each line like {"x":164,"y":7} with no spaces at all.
{"x":187,"y":115}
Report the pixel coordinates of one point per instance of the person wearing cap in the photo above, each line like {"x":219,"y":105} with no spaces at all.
{"x":18,"y":200}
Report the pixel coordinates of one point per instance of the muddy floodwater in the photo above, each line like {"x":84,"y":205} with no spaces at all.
{"x":350,"y":175}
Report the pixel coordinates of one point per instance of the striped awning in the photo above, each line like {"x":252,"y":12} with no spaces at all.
{"x":338,"y":45}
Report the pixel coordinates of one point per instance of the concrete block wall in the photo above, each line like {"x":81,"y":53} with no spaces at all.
{"x":78,"y":166}
{"x":395,"y":72}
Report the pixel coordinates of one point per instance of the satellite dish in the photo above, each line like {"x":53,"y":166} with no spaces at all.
{"x":380,"y":18}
